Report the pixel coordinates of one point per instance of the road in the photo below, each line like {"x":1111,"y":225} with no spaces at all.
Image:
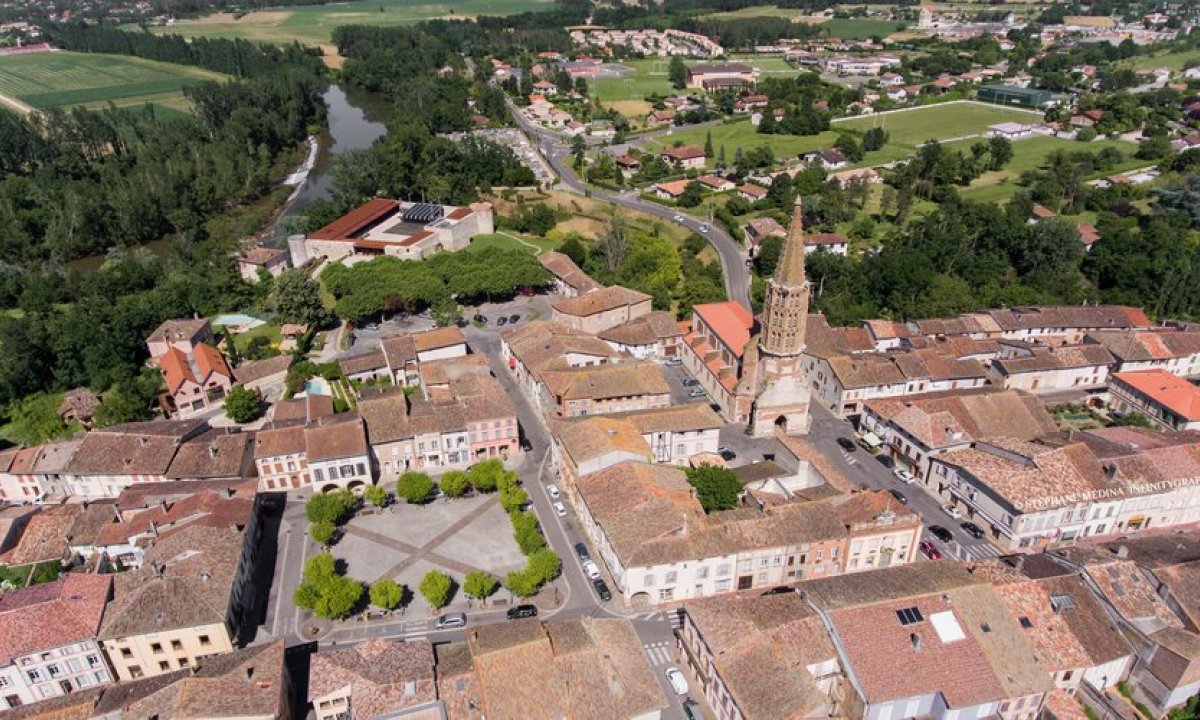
{"x":729,"y":251}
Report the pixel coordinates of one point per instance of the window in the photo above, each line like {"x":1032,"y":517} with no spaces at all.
{"x":1025,"y":622}
{"x":666,"y":595}
{"x":135,"y":671}
{"x":164,"y":665}
{"x":701,"y":572}
{"x":204,"y":641}
{"x":670,"y":578}
{"x":318,"y":475}
{"x":410,"y":688}
{"x":183,"y":661}
{"x":724,"y":569}
{"x":157,"y":648}
{"x":53,"y":670}
{"x":126,"y":652}
{"x":722,"y":585}
{"x":176,"y":645}
{"x":648,"y":581}
{"x":34,"y":676}
{"x":1067,"y":675}
{"x":744,"y":566}
{"x":909,"y":615}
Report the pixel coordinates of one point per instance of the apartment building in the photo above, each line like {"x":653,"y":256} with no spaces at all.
{"x":1042,"y":370}
{"x":845,"y":383}
{"x":654,"y":336}
{"x":601,"y":309}
{"x":1177,"y":352}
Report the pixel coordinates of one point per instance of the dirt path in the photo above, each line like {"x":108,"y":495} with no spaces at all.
{"x":16,"y":104}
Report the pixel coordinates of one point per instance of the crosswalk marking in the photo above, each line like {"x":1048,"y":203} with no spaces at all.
{"x":850,"y":459}
{"x":659,"y":653}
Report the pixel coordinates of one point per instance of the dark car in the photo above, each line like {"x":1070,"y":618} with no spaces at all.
{"x":522,"y":611}
{"x":972,"y":529}
{"x":513,"y":318}
{"x":940,"y":533}
{"x":899,"y":497}
{"x":847,"y":444}
{"x":886,"y":461}
{"x":691,"y":382}
{"x":602,"y":590}
{"x":582,"y":551}
{"x":525,"y":444}
{"x":692,"y":711}
{"x":479,"y":319}
{"x":728,"y":455}
{"x":501,"y":320}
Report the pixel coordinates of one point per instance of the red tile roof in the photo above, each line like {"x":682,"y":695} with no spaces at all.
{"x":355,"y":220}
{"x":1172,"y":392}
{"x":51,"y":615}
{"x":730,"y":320}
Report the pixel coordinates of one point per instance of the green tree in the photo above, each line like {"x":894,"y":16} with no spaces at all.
{"x":717,"y":488}
{"x":526,"y":532}
{"x":677,"y":73}
{"x":322,"y":532}
{"x":330,"y":507}
{"x":691,"y":196}
{"x":323,"y":591}
{"x":522,"y":583}
{"x":512,"y":497}
{"x":479,"y":584}
{"x":435,"y":588}
{"x":708,"y":144}
{"x":243,"y":405}
{"x":387,"y":594}
{"x":574,"y":249}
{"x":767,"y":259}
{"x":485,"y":476}
{"x":34,"y":420}
{"x":296,"y":298}
{"x":544,"y":565}
{"x":414,"y":486}
{"x":1000,"y":151}
{"x":376,"y":495}
{"x":454,"y":483}
{"x":849,"y":147}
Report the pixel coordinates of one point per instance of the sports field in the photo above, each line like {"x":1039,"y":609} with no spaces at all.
{"x":939,"y":122}
{"x":649,"y":76}
{"x":313,"y":24}
{"x":67,"y":79}
{"x":1173,"y":61}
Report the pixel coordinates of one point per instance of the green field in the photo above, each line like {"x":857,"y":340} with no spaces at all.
{"x":859,"y":28}
{"x":1031,"y":154}
{"x":66,"y":79}
{"x":1173,"y":61}
{"x":509,"y":241}
{"x":314,"y":24}
{"x":939,"y":122}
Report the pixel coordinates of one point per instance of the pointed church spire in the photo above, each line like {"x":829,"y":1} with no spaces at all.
{"x":790,"y":270}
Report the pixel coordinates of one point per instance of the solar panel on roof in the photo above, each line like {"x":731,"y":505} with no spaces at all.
{"x":423,"y":213}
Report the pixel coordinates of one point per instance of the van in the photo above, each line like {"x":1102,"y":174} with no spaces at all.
{"x":452,"y":620}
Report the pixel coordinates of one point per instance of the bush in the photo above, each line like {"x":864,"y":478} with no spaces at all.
{"x":414,"y":486}
{"x":479,"y":584}
{"x":376,"y":495}
{"x":332,"y":507}
{"x":717,"y":488}
{"x":525,"y":531}
{"x":435,"y":588}
{"x":322,"y":532}
{"x":387,"y":594}
{"x":454,"y":483}
{"x":485,"y":476}
{"x":512,"y":497}
{"x":243,"y":405}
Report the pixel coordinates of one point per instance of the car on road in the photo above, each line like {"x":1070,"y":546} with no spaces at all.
{"x":512,"y":319}
{"x":560,"y":509}
{"x":727,"y":455}
{"x":692,"y":711}
{"x":900,"y":497}
{"x":591,"y":570}
{"x":929,"y":550}
{"x":703,"y":228}
{"x":953,"y":511}
{"x":846,"y":444}
{"x":885,"y":460}
{"x":479,"y":319}
{"x":904,"y":476}
{"x":674,"y":361}
{"x":940,"y":533}
{"x":677,"y":218}
{"x":522,"y":611}
{"x":601,"y":589}
{"x":972,"y":529}
{"x":582,"y":551}
{"x":677,"y":680}
{"x":552,"y":491}
{"x":451,"y":620}
{"x":691,"y":382}
{"x":501,"y":321}
{"x":697,"y":393}
{"x":525,"y":444}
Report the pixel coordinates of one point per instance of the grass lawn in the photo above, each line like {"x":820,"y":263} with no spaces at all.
{"x":313,"y":24}
{"x":859,"y":28}
{"x":589,"y":215}
{"x":744,"y":135}
{"x":271,"y":332}
{"x":512,"y":241}
{"x":65,"y":79}
{"x":1174,"y":61}
{"x":938,"y":122}
{"x":1030,"y":154}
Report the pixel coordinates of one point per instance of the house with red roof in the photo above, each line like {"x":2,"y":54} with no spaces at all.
{"x":196,"y":381}
{"x":714,"y":349}
{"x":1166,"y":399}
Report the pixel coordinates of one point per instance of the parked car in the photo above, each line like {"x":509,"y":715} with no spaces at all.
{"x":674,"y":361}
{"x":552,"y":491}
{"x":953,"y":511}
{"x":691,"y":382}
{"x":501,"y":321}
{"x":847,"y":444}
{"x":697,"y":393}
{"x":972,"y":529}
{"x":886,"y":461}
{"x":727,"y":455}
{"x":904,"y":476}
{"x":513,"y":318}
{"x":591,"y":570}
{"x":451,"y":620}
{"x":677,"y":680}
{"x":929,"y":550}
{"x":560,"y":509}
{"x":479,"y":319}
{"x":940,"y":533}
{"x":522,"y":611}
{"x":900,"y":498}
{"x":692,"y":711}
{"x":677,"y":218}
{"x":601,"y":589}
{"x":582,"y":551}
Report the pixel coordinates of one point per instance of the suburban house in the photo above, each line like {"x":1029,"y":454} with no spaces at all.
{"x":48,"y":642}
{"x":399,"y":228}
{"x":259,"y":259}
{"x":715,"y":183}
{"x":752,"y":192}
{"x":684,"y":157}
{"x":1088,"y":235}
{"x":1039,"y":369}
{"x":189,"y":600}
{"x":915,"y":429}
{"x":183,"y":335}
{"x":712,"y":77}
{"x":671,"y":190}
{"x":835,"y":243}
{"x":569,"y":279}
{"x":1177,"y":352}
{"x":376,"y":678}
{"x":600,"y":310}
{"x":196,"y":381}
{"x":1166,"y":399}
{"x":655,"y":335}
{"x":759,"y":229}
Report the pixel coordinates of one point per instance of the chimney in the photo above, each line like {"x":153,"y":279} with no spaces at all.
{"x":915,"y":639}
{"x":1123,"y":551}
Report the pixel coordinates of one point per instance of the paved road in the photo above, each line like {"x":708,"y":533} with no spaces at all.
{"x":730,"y":252}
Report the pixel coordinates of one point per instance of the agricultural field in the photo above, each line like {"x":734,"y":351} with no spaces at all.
{"x":314,"y":24}
{"x":859,"y":28}
{"x":67,"y":79}
{"x":938,"y":122}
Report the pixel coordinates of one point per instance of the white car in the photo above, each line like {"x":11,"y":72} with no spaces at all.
{"x":678,"y":681}
{"x":904,"y":476}
{"x":560,"y":509}
{"x":678,"y":218}
{"x":953,"y":511}
{"x":703,"y":228}
{"x":591,"y":570}
{"x":552,"y":491}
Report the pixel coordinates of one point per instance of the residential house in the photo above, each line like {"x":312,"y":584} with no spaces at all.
{"x":214,"y":455}
{"x":1041,"y":213}
{"x":835,"y":243}
{"x":190,"y":599}
{"x":671,"y":190}
{"x":1177,"y":352}
{"x":48,"y":642}
{"x":1164,"y":398}
{"x":257,"y":260}
{"x":328,"y":454}
{"x":665,"y":116}
{"x":569,"y":279}
{"x":716,"y":183}
{"x":385,"y":412}
{"x":183,"y":335}
{"x":842,"y":178}
{"x":1040,"y":370}
{"x":684,"y":157}
{"x":601,"y":309}
{"x":655,"y":335}
{"x":195,"y":382}
{"x":542,"y":345}
{"x":376,"y":678}
{"x":263,"y":375}
{"x":109,"y":460}
{"x":364,"y":367}
{"x":585,"y":667}
{"x":752,"y":192}
{"x":628,"y":165}
{"x":1066,"y":323}
{"x":602,"y":389}
{"x":759,"y":229}
{"x":1088,"y":235}
{"x":830,"y":159}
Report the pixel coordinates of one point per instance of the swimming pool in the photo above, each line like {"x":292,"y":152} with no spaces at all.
{"x":317,"y":386}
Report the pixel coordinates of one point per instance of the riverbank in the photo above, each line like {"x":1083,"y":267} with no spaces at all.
{"x":301,"y":174}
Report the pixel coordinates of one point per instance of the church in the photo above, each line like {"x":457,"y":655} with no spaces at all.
{"x":756,"y":377}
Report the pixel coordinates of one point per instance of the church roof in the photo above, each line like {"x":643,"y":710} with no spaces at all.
{"x":790,"y":270}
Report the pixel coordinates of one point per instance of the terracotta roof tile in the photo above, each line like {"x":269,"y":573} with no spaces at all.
{"x":598,"y":301}
{"x":51,"y":615}
{"x":731,"y":322}
{"x":377,"y":673}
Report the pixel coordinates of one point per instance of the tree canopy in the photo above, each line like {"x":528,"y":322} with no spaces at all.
{"x":717,"y":488}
